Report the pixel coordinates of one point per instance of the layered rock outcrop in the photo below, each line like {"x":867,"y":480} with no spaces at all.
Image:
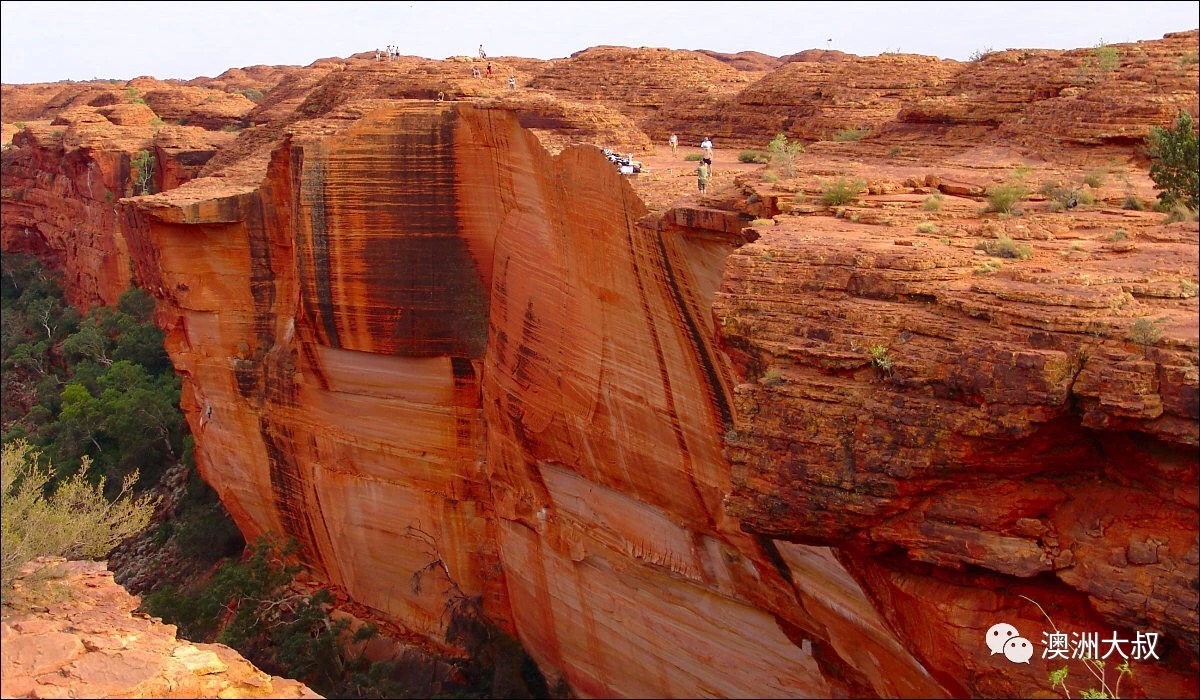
{"x":675,"y":451}
{"x":998,"y":443}
{"x":71,"y":632}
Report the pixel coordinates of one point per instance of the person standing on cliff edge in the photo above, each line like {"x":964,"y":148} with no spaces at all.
{"x":707,"y":147}
{"x":482,"y":54}
{"x":702,"y":177}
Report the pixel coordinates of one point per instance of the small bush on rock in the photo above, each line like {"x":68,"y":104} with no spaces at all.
{"x":1003,"y":198}
{"x":842,"y":191}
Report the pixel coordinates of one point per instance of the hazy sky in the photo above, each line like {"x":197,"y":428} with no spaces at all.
{"x":49,"y":41}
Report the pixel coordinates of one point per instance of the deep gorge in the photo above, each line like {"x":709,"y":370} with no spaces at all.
{"x":654,"y":441}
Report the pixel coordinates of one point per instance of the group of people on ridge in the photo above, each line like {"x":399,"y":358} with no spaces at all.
{"x":512,"y":79}
{"x":704,"y":170}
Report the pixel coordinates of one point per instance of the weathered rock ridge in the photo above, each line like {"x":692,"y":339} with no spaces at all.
{"x":73,"y":632}
{"x":677,"y":453}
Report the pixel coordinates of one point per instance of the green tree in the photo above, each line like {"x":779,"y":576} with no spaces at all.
{"x":1176,"y":170}
{"x":34,"y":321}
{"x":87,"y":344}
{"x":128,"y":419}
{"x":74,"y":521}
{"x":142,"y":164}
{"x":102,"y":386}
{"x":783,"y":154}
{"x":123,"y":332}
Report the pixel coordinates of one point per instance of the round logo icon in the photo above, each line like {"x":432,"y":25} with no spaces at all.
{"x":999,"y":634}
{"x":1018,"y":650}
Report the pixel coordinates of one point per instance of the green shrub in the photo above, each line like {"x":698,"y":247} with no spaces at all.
{"x":927,"y":227}
{"x":1133,"y":203}
{"x":772,"y":377}
{"x":1176,"y":170}
{"x":980,"y":54}
{"x":1118,"y":235}
{"x":253,"y":94}
{"x":770,"y":176}
{"x":1094,"y":178}
{"x":763,"y":222}
{"x":1180,"y":212}
{"x":74,"y":520}
{"x":1144,"y":331}
{"x":881,"y":358}
{"x":894,"y":151}
{"x":841,"y":191}
{"x":933,"y":202}
{"x":1003,"y":198}
{"x":1005,"y":247}
{"x":753,"y":157}
{"x":255,"y":582}
{"x":854,"y":134}
{"x":1064,"y":197}
{"x":1105,"y":58}
{"x":693,"y":156}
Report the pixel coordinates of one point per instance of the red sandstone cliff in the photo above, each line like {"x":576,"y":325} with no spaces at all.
{"x":652,"y":438}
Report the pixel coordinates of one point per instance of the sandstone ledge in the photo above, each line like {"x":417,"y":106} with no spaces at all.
{"x":71,"y":632}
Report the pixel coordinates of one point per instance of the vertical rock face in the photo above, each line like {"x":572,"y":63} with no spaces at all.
{"x":75,"y":228}
{"x":334,"y":392}
{"x":426,"y":321}
{"x":63,"y":182}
